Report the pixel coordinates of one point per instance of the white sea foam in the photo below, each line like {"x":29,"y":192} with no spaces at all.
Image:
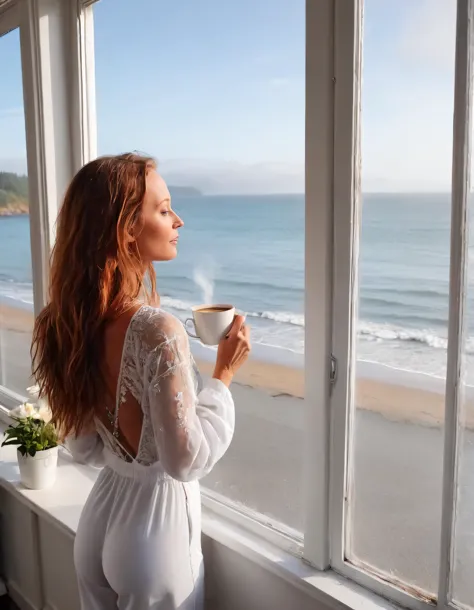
{"x":284,"y":317}
{"x":367,"y":331}
{"x":169,"y":302}
{"x":385,"y":332}
{"x":17,"y":291}
{"x":284,"y":329}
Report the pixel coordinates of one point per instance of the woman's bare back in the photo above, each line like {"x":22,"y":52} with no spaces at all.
{"x":130,"y":416}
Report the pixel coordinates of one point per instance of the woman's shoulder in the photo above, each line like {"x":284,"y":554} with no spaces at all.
{"x":155,"y":325}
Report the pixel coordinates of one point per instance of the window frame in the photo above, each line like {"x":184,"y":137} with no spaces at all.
{"x":346,"y":248}
{"x":332,"y":192}
{"x":56,"y":42}
{"x":9,"y":17}
{"x":461,"y":179}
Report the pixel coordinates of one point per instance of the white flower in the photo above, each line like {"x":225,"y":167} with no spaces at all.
{"x":38,"y":411}
{"x":24,"y":410}
{"x":29,"y":409}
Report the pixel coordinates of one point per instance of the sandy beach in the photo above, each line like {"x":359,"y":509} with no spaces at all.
{"x":394,"y":401}
{"x":16,"y":326}
{"x":398,"y":438}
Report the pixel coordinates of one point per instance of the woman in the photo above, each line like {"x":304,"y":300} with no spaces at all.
{"x":119,"y":377}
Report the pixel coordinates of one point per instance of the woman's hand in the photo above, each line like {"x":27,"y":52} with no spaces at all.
{"x":233,"y":351}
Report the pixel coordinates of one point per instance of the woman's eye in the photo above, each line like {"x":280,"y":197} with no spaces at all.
{"x":165,"y":212}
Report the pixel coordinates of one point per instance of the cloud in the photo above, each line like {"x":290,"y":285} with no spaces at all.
{"x":16,"y":111}
{"x":429,"y":33}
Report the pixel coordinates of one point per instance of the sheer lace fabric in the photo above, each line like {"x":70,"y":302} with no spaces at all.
{"x":158,"y":371}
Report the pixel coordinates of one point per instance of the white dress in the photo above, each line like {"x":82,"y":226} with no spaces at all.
{"x":138,"y":544}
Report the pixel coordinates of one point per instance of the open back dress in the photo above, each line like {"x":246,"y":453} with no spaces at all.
{"x":138,"y":544}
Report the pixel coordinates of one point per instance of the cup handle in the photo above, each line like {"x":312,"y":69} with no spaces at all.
{"x":187,"y":329}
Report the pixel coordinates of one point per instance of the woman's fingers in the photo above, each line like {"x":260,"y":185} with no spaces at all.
{"x":239,"y":321}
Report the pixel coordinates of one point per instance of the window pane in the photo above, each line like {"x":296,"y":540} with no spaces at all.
{"x":397,"y":437}
{"x":463,"y":565}
{"x":16,"y":291}
{"x":215,"y":91}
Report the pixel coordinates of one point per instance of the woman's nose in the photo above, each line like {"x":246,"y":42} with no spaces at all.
{"x":178,"y":222}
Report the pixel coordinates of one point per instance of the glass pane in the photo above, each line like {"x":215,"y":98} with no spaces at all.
{"x":463,"y":565}
{"x":16,"y":289}
{"x":215,"y":91}
{"x":397,"y":435}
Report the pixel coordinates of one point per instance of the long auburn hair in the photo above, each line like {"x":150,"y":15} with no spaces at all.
{"x":96,"y":273}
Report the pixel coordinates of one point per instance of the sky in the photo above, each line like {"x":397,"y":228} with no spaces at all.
{"x":215,"y":91}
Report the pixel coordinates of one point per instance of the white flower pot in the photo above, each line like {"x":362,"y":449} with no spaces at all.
{"x":39,"y":472}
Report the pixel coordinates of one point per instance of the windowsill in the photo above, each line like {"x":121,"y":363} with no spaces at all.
{"x":62,"y":506}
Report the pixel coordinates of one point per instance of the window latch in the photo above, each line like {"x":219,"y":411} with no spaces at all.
{"x":333,"y":370}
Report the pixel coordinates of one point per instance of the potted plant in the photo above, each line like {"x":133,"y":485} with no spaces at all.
{"x":37,"y":441}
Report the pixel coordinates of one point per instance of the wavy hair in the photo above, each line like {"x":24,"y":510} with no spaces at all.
{"x":96,"y":273}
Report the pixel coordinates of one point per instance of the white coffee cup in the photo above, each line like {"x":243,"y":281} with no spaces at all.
{"x":211,"y":322}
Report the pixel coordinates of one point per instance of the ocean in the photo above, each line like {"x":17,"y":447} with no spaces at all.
{"x":249,"y":251}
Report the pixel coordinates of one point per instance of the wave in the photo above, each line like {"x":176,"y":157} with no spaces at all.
{"x":21,"y":292}
{"x":176,"y":304}
{"x":283,"y":317}
{"x":367,"y":331}
{"x":390,"y":333}
{"x":415,"y":292}
{"x":379,"y":332}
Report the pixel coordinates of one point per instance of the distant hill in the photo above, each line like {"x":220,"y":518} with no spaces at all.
{"x":184,"y":191}
{"x":14,"y":193}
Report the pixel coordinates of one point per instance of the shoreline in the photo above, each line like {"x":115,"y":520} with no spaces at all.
{"x":395,"y":400}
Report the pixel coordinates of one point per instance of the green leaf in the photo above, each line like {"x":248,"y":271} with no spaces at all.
{"x":31,"y":434}
{"x":11,"y":442}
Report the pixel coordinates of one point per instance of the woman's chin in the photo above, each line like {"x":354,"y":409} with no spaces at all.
{"x":169,"y":255}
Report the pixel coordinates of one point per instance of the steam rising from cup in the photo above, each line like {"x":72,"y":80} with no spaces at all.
{"x":205,"y":281}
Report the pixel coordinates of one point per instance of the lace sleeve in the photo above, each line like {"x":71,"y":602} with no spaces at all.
{"x":192,"y":432}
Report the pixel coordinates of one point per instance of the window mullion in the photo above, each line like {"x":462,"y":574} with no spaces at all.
{"x":318,"y":274}
{"x":458,"y":282}
{"x":84,"y":124}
